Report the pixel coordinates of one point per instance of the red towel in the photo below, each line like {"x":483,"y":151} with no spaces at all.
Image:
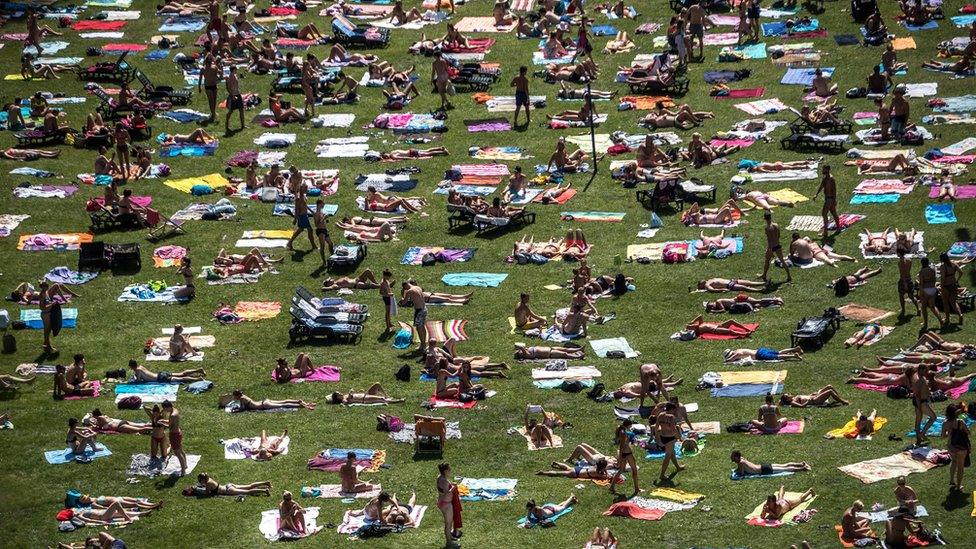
{"x":750,"y":328}
{"x":632,"y":510}
{"x":743,"y":93}
{"x":98,"y":25}
{"x":124,"y":47}
{"x":456,"y":504}
{"x":561,"y":199}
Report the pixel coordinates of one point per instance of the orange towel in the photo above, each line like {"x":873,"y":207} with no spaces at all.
{"x":907,"y":43}
{"x":257,"y":310}
{"x":647,"y":102}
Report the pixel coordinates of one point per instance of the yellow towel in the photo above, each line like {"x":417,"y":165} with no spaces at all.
{"x":907,"y":43}
{"x":974,"y":504}
{"x":18,"y":77}
{"x":214,"y":180}
{"x":674,"y":494}
{"x":652,"y":251}
{"x":788,"y":517}
{"x":557,"y":441}
{"x":268,"y":233}
{"x":554,"y":287}
{"x":789,"y":195}
{"x":849,"y":431}
{"x":760,"y":376}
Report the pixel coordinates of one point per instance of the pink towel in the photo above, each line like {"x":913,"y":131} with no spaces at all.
{"x":962,"y":192}
{"x":98,"y":389}
{"x":871,"y":387}
{"x":742,"y":143}
{"x":124,"y":47}
{"x":743,"y":93}
{"x":324,"y":374}
{"x":792,"y":427}
{"x":957,"y":159}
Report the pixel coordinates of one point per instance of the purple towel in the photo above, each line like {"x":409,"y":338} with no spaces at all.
{"x":496,"y":125}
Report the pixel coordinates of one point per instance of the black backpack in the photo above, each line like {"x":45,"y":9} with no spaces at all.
{"x":898,"y":391}
{"x":403,"y":374}
{"x":572,"y":386}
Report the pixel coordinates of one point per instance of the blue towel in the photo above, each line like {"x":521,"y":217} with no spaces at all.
{"x":198,"y":387}
{"x":488,"y":489}
{"x":467,"y":190}
{"x":157,"y":55}
{"x":963,"y":20}
{"x":159,"y":389}
{"x":32,"y":317}
{"x":746,"y":390}
{"x":927,"y":26}
{"x":778,"y":28}
{"x":361,"y":453}
{"x":957,"y":105}
{"x":940,"y":214}
{"x":604,"y":30}
{"x":173,"y":151}
{"x":57,"y":457}
{"x":283,"y":209}
{"x":402,"y":339}
{"x":736,"y":476}
{"x":753,"y":51}
{"x":936,"y":428}
{"x":33,"y":172}
{"x":846,"y":40}
{"x":182,"y":24}
{"x":901,"y":72}
{"x":803,"y":77}
{"x":483,"y":280}
{"x":889,"y":198}
{"x":184,"y":116}
{"x":524,"y":523}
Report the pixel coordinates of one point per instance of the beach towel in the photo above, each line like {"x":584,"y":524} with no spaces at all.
{"x":257,"y":310}
{"x":113,"y":35}
{"x":736,"y":476}
{"x":888,"y":467}
{"x":415,"y":254}
{"x":815,"y":222}
{"x":721,"y":39}
{"x":498,"y":153}
{"x":275,"y":140}
{"x":45,"y":191}
{"x":183,"y":24}
{"x":963,"y":21}
{"x":47,"y":48}
{"x":146,"y":293}
{"x":883,"y":186}
{"x":749,"y":51}
{"x":936,"y":428}
{"x":929,"y":25}
{"x":481,"y":24}
{"x":120,"y":47}
{"x":846,"y":40}
{"x":571,"y":372}
{"x":738,"y":333}
{"x":58,"y":457}
{"x":923,"y":89}
{"x":886,"y":198}
{"x":331,"y":459}
{"x":147,"y":392}
{"x":563,"y":197}
{"x":789,"y":518}
{"x":9,"y":222}
{"x":334,"y":120}
{"x":351,"y":524}
{"x":247,"y":448}
{"x":483,"y":280}
{"x":64,"y":275}
{"x":144,"y":466}
{"x":185,"y":116}
{"x":270,"y":519}
{"x":788,"y":195}
{"x":487,"y":489}
{"x":792,"y":427}
{"x":742,"y":93}
{"x":960,"y":148}
{"x":632,"y":510}
{"x":778,"y":28}
{"x":605,"y":217}
{"x":334,"y":491}
{"x":803,"y":76}
{"x":157,"y":55}
{"x":905,"y":43}
{"x":557,"y":441}
{"x":962,"y":249}
{"x":864,"y":314}
{"x":849,"y":430}
{"x":87,"y":25}
{"x":32,"y":318}
{"x":489,"y":125}
{"x":762,"y":106}
{"x":940,"y":214}
{"x":524,"y":522}
{"x":747,"y":390}
{"x":214,"y":181}
{"x":603,"y":346}
{"x":323,"y":374}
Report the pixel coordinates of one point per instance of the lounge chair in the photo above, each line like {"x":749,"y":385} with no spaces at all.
{"x":291,"y":82}
{"x":327,"y":318}
{"x":484,"y":223}
{"x":39,"y":137}
{"x":330,"y":304}
{"x":151,"y":92}
{"x":460,"y":216}
{"x":802,"y":125}
{"x":162,"y":227}
{"x":346,"y":255}
{"x":695,"y":190}
{"x":350,"y":34}
{"x":104,"y":219}
{"x":430,"y":435}
{"x":118,"y":71}
{"x":811,"y":141}
{"x":110,"y":108}
{"x":816,"y":330}
{"x":472,"y":77}
{"x":674,"y":85}
{"x":661,"y":196}
{"x":303,"y":328}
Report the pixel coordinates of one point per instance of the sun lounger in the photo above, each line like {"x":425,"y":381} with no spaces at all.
{"x":327,"y":318}
{"x":304,"y":327}
{"x":825,"y":143}
{"x":151,"y":92}
{"x":816,"y":330}
{"x":662,"y":196}
{"x":118,"y":71}
{"x":347,"y":255}
{"x":350,"y":34}
{"x":484,"y":223}
{"x":330,"y":304}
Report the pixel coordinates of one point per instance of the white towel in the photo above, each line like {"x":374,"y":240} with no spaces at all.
{"x":269,"y":523}
{"x":247,"y":448}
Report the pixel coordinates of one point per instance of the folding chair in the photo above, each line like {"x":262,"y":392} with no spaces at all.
{"x":430,"y":435}
{"x":161,"y":226}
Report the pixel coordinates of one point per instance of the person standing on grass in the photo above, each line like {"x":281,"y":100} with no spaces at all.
{"x":949,"y":275}
{"x":521,"y":85}
{"x":322,"y":229}
{"x":209,"y":77}
{"x":440,"y":74}
{"x":175,"y":434}
{"x":773,"y":249}
{"x":414,"y":294}
{"x":922,"y":401}
{"x":927,"y":292}
{"x":959,"y":446}
{"x":906,"y":287}
{"x":235,"y":101}
{"x":625,"y":456}
{"x":302,"y":224}
{"x":697,"y":17}
{"x":389,"y":302}
{"x":449,"y":502}
{"x":667,"y":433}
{"x":828,"y":186}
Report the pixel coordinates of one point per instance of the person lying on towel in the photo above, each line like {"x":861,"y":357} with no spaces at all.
{"x":144,"y":375}
{"x":721,"y":285}
{"x":726,"y":328}
{"x":535,"y":352}
{"x":682,"y":117}
{"x":375,"y":394}
{"x":778,"y":504}
{"x":821,"y":397}
{"x":744,"y":467}
{"x":696,"y":215}
{"x":207,"y":487}
{"x":247,"y":404}
{"x":763,"y":353}
{"x":741,"y":303}
{"x":480,"y":365}
{"x":536,"y":514}
{"x":702,"y":154}
{"x":365,"y":281}
{"x":769,"y":420}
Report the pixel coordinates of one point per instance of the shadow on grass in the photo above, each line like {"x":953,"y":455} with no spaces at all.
{"x":166,"y":483}
{"x":955,"y":499}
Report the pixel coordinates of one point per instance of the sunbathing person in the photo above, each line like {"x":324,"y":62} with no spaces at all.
{"x":946,"y":383}
{"x":302,"y":368}
{"x":820,"y":398}
{"x":885,"y":380}
{"x":536,"y":514}
{"x":581,"y":72}
{"x":253,"y":261}
{"x":269,"y":448}
{"x":453,"y":39}
{"x":377,"y":201}
{"x":25,"y":293}
{"x":855,"y":527}
{"x":597,"y":471}
{"x":760,"y":199}
{"x":769,"y":419}
{"x":375,"y":394}
{"x":400,"y":514}
{"x":741,"y":303}
{"x":407,"y":154}
{"x":574,"y":323}
{"x":620,"y":43}
{"x":207,"y":487}
{"x":367,"y":233}
{"x":523,"y":352}
{"x":963,"y":66}
{"x":566,"y":162}
{"x":11,"y":382}
{"x":179,"y":345}
{"x":539,"y":434}
{"x":121,"y":426}
{"x":721,"y":285}
{"x":682,"y":118}
{"x":844,"y":284}
{"x":773,"y":167}
{"x":702,"y":154}
{"x":584,"y":115}
{"x":728,"y":327}
{"x":499,"y":211}
{"x":481,"y":366}
{"x":248,"y":404}
{"x":635,"y":389}
{"x":291,"y":515}
{"x":365,"y":281}
{"x":525,"y":317}
{"x":553,"y":194}
{"x":104,"y":540}
{"x":130,"y":504}
{"x":80,"y":438}
{"x":744,"y":467}
{"x":778,"y":504}
{"x":821,"y":85}
{"x":111,"y":515}
{"x":198,"y":136}
{"x":590,"y":455}
{"x":898,"y":164}
{"x":601,"y":540}
{"x":930,"y":341}
{"x":399,"y":16}
{"x":568,"y":93}
{"x":763,"y":353}
{"x":864,"y":336}
{"x":900,"y":528}
{"x":349,"y":477}
{"x":144,"y":375}
{"x":696,"y":215}
{"x":864,"y":424}
{"x":805,"y":250}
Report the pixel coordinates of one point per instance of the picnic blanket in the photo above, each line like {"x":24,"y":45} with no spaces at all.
{"x":483,"y":280}
{"x":247,"y":448}
{"x":488,"y":125}
{"x":270,"y":519}
{"x":894,"y":466}
{"x":789,"y":518}
{"x":498,"y":153}
{"x":487,"y":489}
{"x":762,"y":106}
{"x":963,"y":249}
{"x":331,"y":459}
{"x":940,"y":214}
{"x":147,"y":392}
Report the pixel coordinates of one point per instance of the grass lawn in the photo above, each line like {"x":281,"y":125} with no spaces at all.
{"x":110,"y":333}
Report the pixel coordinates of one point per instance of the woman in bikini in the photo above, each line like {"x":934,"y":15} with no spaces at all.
{"x":375,"y":394}
{"x":696,"y":216}
{"x":188,"y":290}
{"x":158,"y":441}
{"x":365,"y":281}
{"x":597,"y":471}
{"x":778,"y":504}
{"x":741,"y":303}
{"x":625,"y":456}
{"x":207,"y":486}
{"x":302,"y":368}
{"x":539,"y":434}
{"x":949,"y":275}
{"x":523,"y":352}
{"x":858,"y":278}
{"x":719,"y":285}
{"x":667,"y":434}
{"x":248,"y":404}
{"x":864,"y":336}
{"x":269,"y":448}
{"x":534,"y":514}
{"x":121,"y":426}
{"x":291,"y":515}
{"x":79,"y":438}
{"x":446,"y":492}
{"x":377,"y":201}
{"x":728,"y":327}
{"x":820,"y":398}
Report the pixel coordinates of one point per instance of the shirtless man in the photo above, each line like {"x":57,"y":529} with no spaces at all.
{"x":414,"y":295}
{"x":720,"y":285}
{"x":375,"y":394}
{"x":209,"y":78}
{"x":562,"y":160}
{"x":906,"y":496}
{"x":365,"y":281}
{"x":744,"y":467}
{"x":773,"y":249}
{"x":144,"y":375}
{"x":302,"y":222}
{"x":389,"y":301}
{"x":349,"y":477}
{"x":922,"y":401}
{"x":906,"y":286}
{"x":235,"y":101}
{"x":442,"y":80}
{"x":697,"y":20}
{"x":899,"y":112}
{"x":821,"y":85}
{"x":650,"y":376}
{"x":804,"y":251}
{"x":521,"y":85}
{"x":649,"y":155}
{"x":854,"y":527}
{"x":109,"y":424}
{"x":927,"y":292}
{"x":523,"y":352}
{"x":248,"y":404}
{"x":828,"y":185}
{"x":525,"y":317}
{"x":769,"y":419}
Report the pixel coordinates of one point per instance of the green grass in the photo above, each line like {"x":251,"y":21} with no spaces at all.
{"x":110,"y":333}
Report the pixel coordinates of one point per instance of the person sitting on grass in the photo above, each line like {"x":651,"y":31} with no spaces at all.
{"x":821,"y":397}
{"x":144,"y":375}
{"x":207,"y":487}
{"x":80,"y":438}
{"x":375,"y":394}
{"x":777,"y":505}
{"x":525,"y":317}
{"x":854,"y":527}
{"x":701,"y":154}
{"x":769,"y":420}
{"x":744,"y":467}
